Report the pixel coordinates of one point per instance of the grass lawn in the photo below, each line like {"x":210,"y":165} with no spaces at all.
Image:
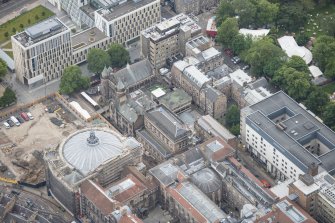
{"x":26,"y":19}
{"x":8,"y":45}
{"x":329,"y":88}
{"x":314,"y":22}
{"x":10,"y":53}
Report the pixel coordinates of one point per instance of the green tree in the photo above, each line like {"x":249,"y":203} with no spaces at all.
{"x":233,"y":116}
{"x":298,"y":63}
{"x":264,"y":57}
{"x":329,"y":115}
{"x":227,"y":32}
{"x":302,"y":39}
{"x":7,"y":98}
{"x":266,"y":12}
{"x":3,"y":68}
{"x":328,"y":24}
{"x":317,"y":100}
{"x":241,"y":43}
{"x":235,"y":129}
{"x":37,"y":17}
{"x":119,"y":55}
{"x":6,"y":34}
{"x":245,"y":10}
{"x":323,"y":51}
{"x":291,"y":16}
{"x":72,"y":80}
{"x":29,"y":21}
{"x":330,"y":68}
{"x":21,"y":26}
{"x":13,"y":30}
{"x":98,"y":59}
{"x":43,"y":13}
{"x":224,"y":11}
{"x":295,"y":83}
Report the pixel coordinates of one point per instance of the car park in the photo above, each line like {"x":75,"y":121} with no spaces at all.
{"x":16,"y":122}
{"x":10,"y":122}
{"x":24,"y":116}
{"x":7,"y":126}
{"x":31,"y":117}
{"x":20,"y":119}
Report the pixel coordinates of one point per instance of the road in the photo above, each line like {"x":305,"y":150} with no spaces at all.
{"x":45,"y":207}
{"x":10,"y":9}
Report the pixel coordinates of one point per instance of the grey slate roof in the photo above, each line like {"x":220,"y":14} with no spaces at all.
{"x":301,"y":126}
{"x":212,"y":94}
{"x":131,"y":74}
{"x":165,"y":173}
{"x":168,"y":122}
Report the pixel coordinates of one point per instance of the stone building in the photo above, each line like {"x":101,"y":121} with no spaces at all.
{"x":198,"y":85}
{"x":194,"y":6}
{"x":97,"y":154}
{"x":167,"y":39}
{"x":116,"y":84}
{"x":164,"y":134}
{"x":127,"y":115}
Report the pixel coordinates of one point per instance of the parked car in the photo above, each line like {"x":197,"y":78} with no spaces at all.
{"x":24,"y":116}
{"x":7,"y":126}
{"x":236,"y":60}
{"x":16,"y":122}
{"x":265,"y":183}
{"x":10,"y":122}
{"x":20,"y":119}
{"x":31,"y":117}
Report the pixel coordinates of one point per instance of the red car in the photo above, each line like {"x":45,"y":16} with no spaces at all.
{"x":265,"y":184}
{"x":24,"y":116}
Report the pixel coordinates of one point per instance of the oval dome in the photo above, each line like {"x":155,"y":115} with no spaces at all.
{"x":87,"y":149}
{"x":206,"y":180}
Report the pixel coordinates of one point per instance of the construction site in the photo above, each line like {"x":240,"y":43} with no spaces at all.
{"x":22,"y":147}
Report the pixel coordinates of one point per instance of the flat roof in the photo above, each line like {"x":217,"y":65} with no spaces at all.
{"x":175,"y":99}
{"x":240,"y":77}
{"x":123,"y":9}
{"x":41,"y":31}
{"x":87,"y":38}
{"x":301,"y":126}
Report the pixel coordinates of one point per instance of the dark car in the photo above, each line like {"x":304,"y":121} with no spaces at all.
{"x":10,"y":123}
{"x":21,"y":120}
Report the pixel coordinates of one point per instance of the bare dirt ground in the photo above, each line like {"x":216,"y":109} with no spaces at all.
{"x":25,"y":159}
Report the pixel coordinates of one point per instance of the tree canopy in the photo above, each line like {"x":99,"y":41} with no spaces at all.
{"x":254,"y":13}
{"x":119,"y":55}
{"x":317,"y":100}
{"x":227,"y":32}
{"x":329,"y":115}
{"x":72,"y":80}
{"x":97,"y":59}
{"x":233,"y":119}
{"x":324,"y":55}
{"x":3,"y":68}
{"x":8,"y":98}
{"x":264,"y":57}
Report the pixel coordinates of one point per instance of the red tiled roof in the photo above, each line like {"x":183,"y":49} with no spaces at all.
{"x":187,"y":206}
{"x":150,"y":184}
{"x":130,"y":218}
{"x":220,"y":154}
{"x":131,"y":192}
{"x":96,"y":195}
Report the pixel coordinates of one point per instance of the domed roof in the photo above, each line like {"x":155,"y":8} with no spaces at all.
{"x":206,"y":180}
{"x":87,"y":149}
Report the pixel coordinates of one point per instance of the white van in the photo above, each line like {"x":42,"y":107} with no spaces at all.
{"x":30,"y":115}
{"x":16,"y":122}
{"x":7,"y":126}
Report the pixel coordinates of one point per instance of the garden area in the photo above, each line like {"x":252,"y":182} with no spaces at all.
{"x":26,"y":19}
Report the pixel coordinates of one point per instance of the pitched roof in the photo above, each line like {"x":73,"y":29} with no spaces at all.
{"x":97,"y":196}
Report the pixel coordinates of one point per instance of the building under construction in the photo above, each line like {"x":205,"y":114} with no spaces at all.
{"x":96,"y":154}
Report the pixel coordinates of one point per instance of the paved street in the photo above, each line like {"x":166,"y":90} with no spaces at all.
{"x":11,"y":9}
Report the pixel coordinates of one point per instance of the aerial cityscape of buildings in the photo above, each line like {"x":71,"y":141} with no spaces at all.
{"x":182,"y":131}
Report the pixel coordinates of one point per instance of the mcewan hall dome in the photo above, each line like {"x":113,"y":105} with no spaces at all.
{"x":97,"y":154}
